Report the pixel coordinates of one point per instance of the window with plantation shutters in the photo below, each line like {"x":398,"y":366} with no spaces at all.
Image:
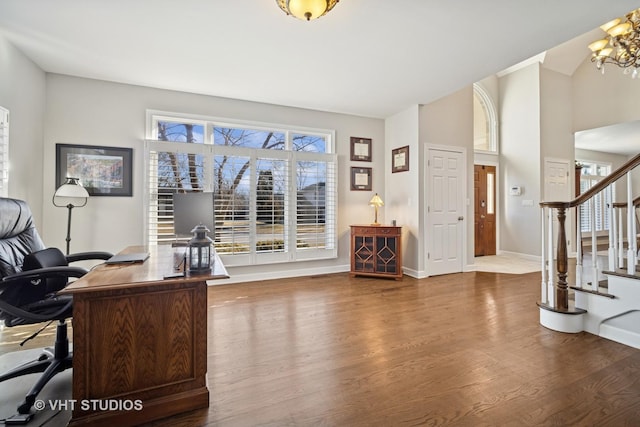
{"x":274,"y":189}
{"x":592,"y":173}
{"x":4,"y":152}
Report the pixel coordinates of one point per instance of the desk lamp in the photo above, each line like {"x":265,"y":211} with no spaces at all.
{"x":376,"y":202}
{"x":74,"y":192}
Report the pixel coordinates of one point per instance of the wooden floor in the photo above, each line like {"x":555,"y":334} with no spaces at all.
{"x":464,"y":349}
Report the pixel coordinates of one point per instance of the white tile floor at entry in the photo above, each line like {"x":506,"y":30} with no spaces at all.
{"x":507,"y":263}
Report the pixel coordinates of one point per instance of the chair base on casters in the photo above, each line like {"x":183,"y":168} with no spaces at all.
{"x":51,"y":361}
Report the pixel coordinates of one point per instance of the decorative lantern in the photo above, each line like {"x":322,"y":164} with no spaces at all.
{"x":200,"y":251}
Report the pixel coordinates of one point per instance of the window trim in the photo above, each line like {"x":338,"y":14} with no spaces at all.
{"x":492,"y":117}
{"x":4,"y":152}
{"x":209,"y":122}
{"x":210,"y":150}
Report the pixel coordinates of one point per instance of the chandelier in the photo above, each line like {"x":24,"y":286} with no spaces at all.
{"x":621,"y":46}
{"x":306,"y":9}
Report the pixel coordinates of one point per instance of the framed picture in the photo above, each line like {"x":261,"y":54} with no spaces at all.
{"x":360,"y":149}
{"x":360,"y":179}
{"x":103,"y":171}
{"x":400,"y":159}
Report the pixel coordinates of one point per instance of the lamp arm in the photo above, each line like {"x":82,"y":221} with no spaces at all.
{"x":69,"y":206}
{"x":68,"y":239}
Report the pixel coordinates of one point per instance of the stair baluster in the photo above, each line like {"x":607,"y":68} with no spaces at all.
{"x":579,"y":247}
{"x":551,"y":289}
{"x":562,"y":289}
{"x":632,"y":246}
{"x":543,"y":286}
{"x":594,"y":246}
{"x":612,"y":234}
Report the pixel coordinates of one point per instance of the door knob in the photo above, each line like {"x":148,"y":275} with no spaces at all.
{"x":460,"y":218}
{"x":482,"y":216}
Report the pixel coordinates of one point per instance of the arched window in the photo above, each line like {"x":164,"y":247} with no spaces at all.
{"x":485,"y":121}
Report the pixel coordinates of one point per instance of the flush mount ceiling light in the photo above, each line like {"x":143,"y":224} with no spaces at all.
{"x":306,"y":9}
{"x":621,"y":46}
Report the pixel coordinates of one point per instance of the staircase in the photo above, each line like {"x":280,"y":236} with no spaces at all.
{"x":605,"y":299}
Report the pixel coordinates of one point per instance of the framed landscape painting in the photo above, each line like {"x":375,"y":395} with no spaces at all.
{"x":103,"y":171}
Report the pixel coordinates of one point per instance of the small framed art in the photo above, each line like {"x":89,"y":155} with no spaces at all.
{"x":102,"y":171}
{"x":360,"y":149}
{"x":400,"y":159}
{"x":360,"y":179}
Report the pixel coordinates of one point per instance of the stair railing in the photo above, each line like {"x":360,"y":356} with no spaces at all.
{"x":555,"y":293}
{"x":619,"y":210}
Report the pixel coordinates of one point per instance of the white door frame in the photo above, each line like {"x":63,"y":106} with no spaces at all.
{"x":463,"y":199}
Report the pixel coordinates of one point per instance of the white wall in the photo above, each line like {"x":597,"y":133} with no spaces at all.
{"x":602,"y":100}
{"x":22,"y":92}
{"x":83,"y":111}
{"x":402,"y":189}
{"x":520,"y":163}
{"x":449,"y":121}
{"x":556,"y":116}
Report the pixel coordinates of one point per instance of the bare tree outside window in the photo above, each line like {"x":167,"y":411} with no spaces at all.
{"x":255,"y":188}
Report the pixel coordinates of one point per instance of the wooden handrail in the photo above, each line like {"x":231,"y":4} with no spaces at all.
{"x":598,"y":187}
{"x":636,"y":203}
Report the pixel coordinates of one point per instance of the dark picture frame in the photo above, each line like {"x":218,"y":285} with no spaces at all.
{"x":400,"y":159}
{"x":361,"y":179}
{"x":102,"y":171}
{"x":360,"y":149}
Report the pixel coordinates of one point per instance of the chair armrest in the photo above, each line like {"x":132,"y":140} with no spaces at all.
{"x":82,"y":256}
{"x":18,"y":312}
{"x":44,"y":273}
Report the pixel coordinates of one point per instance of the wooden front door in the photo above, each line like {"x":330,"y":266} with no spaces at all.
{"x":484,"y":186}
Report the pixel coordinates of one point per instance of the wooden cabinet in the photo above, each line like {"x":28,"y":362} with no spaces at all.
{"x":376,"y":250}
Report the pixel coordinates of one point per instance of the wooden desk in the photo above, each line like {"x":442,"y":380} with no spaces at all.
{"x":139,"y":341}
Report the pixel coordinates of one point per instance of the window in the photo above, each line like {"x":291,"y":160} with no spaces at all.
{"x":485,"y":123}
{"x":274,"y":188}
{"x":4,"y":152}
{"x":590,"y":174}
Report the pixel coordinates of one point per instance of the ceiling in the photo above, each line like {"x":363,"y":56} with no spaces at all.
{"x":621,"y":138}
{"x":371,"y":58}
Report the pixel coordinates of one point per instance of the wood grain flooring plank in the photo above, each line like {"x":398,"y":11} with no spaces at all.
{"x":456,"y":350}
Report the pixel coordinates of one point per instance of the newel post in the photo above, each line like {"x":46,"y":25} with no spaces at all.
{"x":562,"y":289}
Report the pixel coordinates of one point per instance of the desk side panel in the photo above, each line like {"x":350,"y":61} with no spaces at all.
{"x":142,"y":343}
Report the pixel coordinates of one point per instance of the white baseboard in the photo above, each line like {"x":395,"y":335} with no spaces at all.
{"x":280,"y":274}
{"x":416,"y":274}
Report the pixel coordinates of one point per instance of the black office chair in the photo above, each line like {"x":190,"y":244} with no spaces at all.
{"x":31,"y":275}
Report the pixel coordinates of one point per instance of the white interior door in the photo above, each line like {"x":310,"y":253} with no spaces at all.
{"x":445,"y":214}
{"x":556,"y":178}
